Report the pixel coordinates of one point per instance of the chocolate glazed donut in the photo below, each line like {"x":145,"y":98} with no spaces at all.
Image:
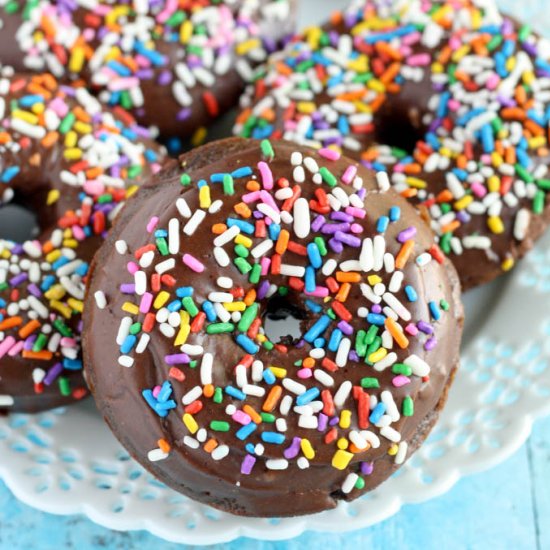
{"x":451,"y":98}
{"x":72,"y":163}
{"x":177,"y":348}
{"x":177,"y":65}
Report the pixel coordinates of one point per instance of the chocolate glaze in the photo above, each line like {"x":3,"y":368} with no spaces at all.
{"x":160,"y":108}
{"x":403,"y":121}
{"x":40,"y":173}
{"x":117,"y":390}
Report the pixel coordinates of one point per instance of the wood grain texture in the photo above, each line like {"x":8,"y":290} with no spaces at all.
{"x":507,"y":507}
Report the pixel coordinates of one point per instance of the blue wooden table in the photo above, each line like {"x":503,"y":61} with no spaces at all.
{"x":507,"y":507}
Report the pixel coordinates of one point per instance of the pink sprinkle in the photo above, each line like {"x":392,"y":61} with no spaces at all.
{"x":305,"y":373}
{"x":453,"y":105}
{"x":146,"y":301}
{"x":67,"y":342}
{"x":329,"y":154}
{"x":242,"y":418}
{"x":356,"y":228}
{"x":156,"y":391}
{"x":265,"y":263}
{"x":268,"y":199}
{"x":411,"y":329}
{"x":17,"y":348}
{"x":319,"y":292}
{"x":478,"y":189}
{"x":78,"y":233}
{"x":400,"y":380}
{"x":192,"y":263}
{"x":59,"y":106}
{"x":356,"y":212}
{"x":349,"y":174}
{"x":132,"y":268}
{"x":267,"y":176}
{"x":152,"y":224}
{"x":419,"y":60}
{"x":123,"y":84}
{"x":492,"y":82}
{"x":6,"y":345}
{"x":399,"y":168}
{"x":251,"y":197}
{"x":94,"y":187}
{"x":411,"y":39}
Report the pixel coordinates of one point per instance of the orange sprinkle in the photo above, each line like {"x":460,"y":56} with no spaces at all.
{"x":208,"y":390}
{"x":308,"y":362}
{"x":343,"y":293}
{"x":43,"y":355}
{"x":256,"y":418}
{"x":404,"y":253}
{"x":250,"y":297}
{"x":219,"y":228}
{"x":164,"y":446}
{"x":29,"y":328}
{"x":282,"y":242}
{"x":395,"y":330}
{"x":348,"y":277}
{"x":11,"y":322}
{"x":252,"y":185}
{"x":210,"y":445}
{"x":272,"y":398}
{"x":450,"y":227}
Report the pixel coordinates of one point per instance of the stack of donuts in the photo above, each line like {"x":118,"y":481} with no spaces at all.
{"x":381,"y":163}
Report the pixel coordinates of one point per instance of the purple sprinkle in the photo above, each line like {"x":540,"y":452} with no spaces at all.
{"x":263,"y":289}
{"x":336,"y":246}
{"x":29,"y":342}
{"x":127,"y":288}
{"x":248,"y":464}
{"x":53,"y":373}
{"x":341,"y":217}
{"x":430,"y":344}
{"x":407,"y":234}
{"x":424,"y":327}
{"x":332,"y":228}
{"x":18,"y":279}
{"x":322,"y":423}
{"x":317,"y":223}
{"x":345,"y":327}
{"x":367,"y":468}
{"x":34,"y":290}
{"x":376,"y":308}
{"x":177,"y":359}
{"x":348,"y":239}
{"x":294,"y":449}
{"x":333,"y":421}
{"x":353,"y":356}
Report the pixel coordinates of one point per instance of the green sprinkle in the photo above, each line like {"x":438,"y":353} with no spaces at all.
{"x":283,"y":291}
{"x":62,"y":328}
{"x":189,"y":305}
{"x":328,"y":176}
{"x":185,"y":179}
{"x":220,"y":328}
{"x":267,"y":417}
{"x":523,"y":173}
{"x":242,"y":265}
{"x":401,"y":368}
{"x":408,"y":406}
{"x":67,"y":123}
{"x":444,"y":305}
{"x":126,"y":100}
{"x":494,"y":43}
{"x":193,"y":364}
{"x":360,"y":345}
{"x":242,"y":251}
{"x":219,"y":426}
{"x":267,"y":149}
{"x":369,"y":382}
{"x":321,"y":245}
{"x":543,"y":184}
{"x":538,"y":202}
{"x":40,"y":342}
{"x":162,"y":246}
{"x":228,"y":186}
{"x":248,"y":316}
{"x":3,"y":286}
{"x":135,"y":328}
{"x":268,"y":345}
{"x":218,"y":395}
{"x":371,"y":335}
{"x":445,"y":242}
{"x":360,"y":483}
{"x":106,"y":198}
{"x":524,"y":33}
{"x":64,"y":386}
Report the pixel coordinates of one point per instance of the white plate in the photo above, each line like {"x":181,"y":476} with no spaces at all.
{"x":67,"y":461}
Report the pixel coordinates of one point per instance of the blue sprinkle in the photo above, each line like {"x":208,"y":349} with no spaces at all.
{"x":202,"y":183}
{"x":434,"y":310}
{"x":161,"y":234}
{"x":47,"y":283}
{"x":60,"y":263}
{"x":165,"y":392}
{"x":245,"y":431}
{"x":310,"y":279}
{"x":411,"y":293}
{"x":487,"y":138}
{"x":165,"y":405}
{"x":377,"y":412}
{"x":176,"y":305}
{"x":10,"y":173}
{"x":274,"y":231}
{"x":119,"y":68}
{"x":319,"y":342}
{"x":318,"y":328}
{"x":395,"y":213}
{"x":217,"y":178}
{"x":335,"y":339}
{"x":208,"y":308}
{"x":269,"y":377}
{"x":245,"y":227}
{"x":314,"y":255}
{"x":273,"y":437}
{"x":82,"y":269}
{"x":247,"y":344}
{"x":243,"y":172}
{"x":30,"y":100}
{"x":312,"y":306}
{"x":308,"y":396}
{"x":382,"y":224}
{"x":251,"y":448}
{"x":235,"y":393}
{"x":72,"y":364}
{"x":184,"y":291}
{"x":128,"y":344}
{"x":376,"y":319}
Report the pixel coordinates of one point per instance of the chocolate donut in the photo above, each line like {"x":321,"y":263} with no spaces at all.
{"x":178,"y":351}
{"x":177,"y":65}
{"x":450,"y":97}
{"x":71,"y":162}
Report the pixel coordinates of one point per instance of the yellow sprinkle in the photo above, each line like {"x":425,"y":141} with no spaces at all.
{"x":437,"y":67}
{"x":77,"y":60}
{"x":199,"y":137}
{"x":55,"y":292}
{"x":73,"y":154}
{"x":342,"y":443}
{"x":417,"y":183}
{"x":25,"y":115}
{"x":53,"y":197}
{"x":190,"y":423}
{"x":184,"y":330}
{"x":128,"y":307}
{"x":361,"y":107}
{"x":161,"y":299}
{"x":186,"y":31}
{"x":5,"y":254}
{"x":379,"y":354}
{"x":131,"y":190}
{"x":261,"y":338}
{"x":460,"y":53}
{"x":70,"y":243}
{"x":341,"y":459}
{"x":279,"y":372}
{"x":462,"y":203}
{"x":245,"y":241}
{"x":445,"y":152}
{"x":494,"y":184}
{"x":392,"y":451}
{"x":374,"y":279}
{"x":113,"y":54}
{"x":38,"y":108}
{"x":234,"y":306}
{"x":495,"y":224}
{"x":248,"y":45}
{"x":376,"y":85}
{"x":306,"y":107}
{"x":82,"y":127}
{"x":536,"y":142}
{"x":313,"y":36}
{"x":204,"y":197}
{"x":71,"y":139}
{"x":360,"y":65}
{"x":507,"y":264}
{"x":76,"y":305}
{"x":62,"y":308}
{"x":345,"y":419}
{"x":528,"y":77}
{"x":53,"y":256}
{"x":496,"y":159}
{"x":510,"y":64}
{"x":307,"y":449}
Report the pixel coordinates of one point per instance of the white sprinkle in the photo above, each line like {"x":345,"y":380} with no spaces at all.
{"x":419,"y":366}
{"x":156,"y":454}
{"x":521,"y":224}
{"x":174,"y":236}
{"x":302,"y":220}
{"x":423,"y":259}
{"x":220,"y":297}
{"x":126,"y":361}
{"x":350,"y":265}
{"x":225,"y":282}
{"x":296,"y":158}
{"x":240,"y":375}
{"x":251,"y":389}
{"x":196,"y":219}
{"x":276,"y":464}
{"x":222,"y":313}
{"x":227,"y":236}
{"x":383,"y":181}
{"x":293,"y":270}
{"x":358,"y":440}
{"x":342,"y":394}
{"x":391,"y":407}
{"x":220,"y":452}
{"x":476,"y":241}
{"x":167,"y":330}
{"x":192,"y":349}
{"x":100,"y":299}
{"x":257,"y":370}
{"x":165,"y":266}
{"x":397,"y":306}
{"x":401,"y":452}
{"x":191,"y":395}
{"x":293,"y":386}
{"x":269,"y":212}
{"x":191,"y":442}
{"x":259,"y":250}
{"x":395,"y":282}
{"x":143,"y":343}
{"x":386,"y":362}
{"x":343,"y":352}
{"x":121,"y":247}
{"x":323,"y":377}
{"x":6,"y":401}
{"x":366,"y":258}
{"x":329,"y":267}
{"x":286,"y":404}
{"x":281,"y":425}
{"x":140,"y":279}
{"x":123,"y":329}
{"x":379,"y":251}
{"x":309,"y":422}
{"x":206,"y":369}
{"x":349,"y":483}
{"x":389,"y":433}
{"x":371,"y":437}
{"x":221,"y":257}
{"x":183,"y":208}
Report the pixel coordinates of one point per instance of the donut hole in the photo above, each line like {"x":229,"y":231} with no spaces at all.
{"x":18,"y":223}
{"x":283,"y":320}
